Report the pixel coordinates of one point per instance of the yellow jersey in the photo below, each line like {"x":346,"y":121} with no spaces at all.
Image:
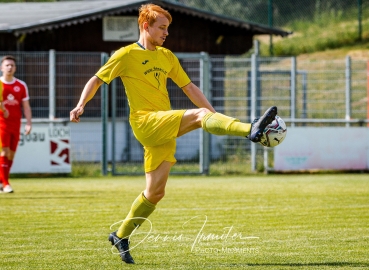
{"x":144,"y":74}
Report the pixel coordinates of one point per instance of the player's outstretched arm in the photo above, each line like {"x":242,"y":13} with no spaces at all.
{"x":197,"y":97}
{"x":88,"y":93}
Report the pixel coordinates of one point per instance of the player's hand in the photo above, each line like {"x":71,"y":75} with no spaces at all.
{"x":27,"y":129}
{"x":75,"y":113}
{"x":6,"y":113}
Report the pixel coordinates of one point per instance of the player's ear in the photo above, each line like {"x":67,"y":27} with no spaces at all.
{"x":145,"y":26}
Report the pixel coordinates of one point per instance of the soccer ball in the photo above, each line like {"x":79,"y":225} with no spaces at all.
{"x":274,"y":133}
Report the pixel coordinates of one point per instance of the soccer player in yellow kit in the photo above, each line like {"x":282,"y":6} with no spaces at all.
{"x":144,"y":67}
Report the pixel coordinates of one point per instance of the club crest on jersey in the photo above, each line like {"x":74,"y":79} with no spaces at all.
{"x":10,"y":100}
{"x":10,"y":97}
{"x":16,"y":88}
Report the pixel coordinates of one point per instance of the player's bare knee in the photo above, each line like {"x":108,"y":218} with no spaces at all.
{"x":201,"y":113}
{"x":156,"y":197}
{"x":204,"y":111}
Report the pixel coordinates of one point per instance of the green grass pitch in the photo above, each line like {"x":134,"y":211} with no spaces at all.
{"x":318,"y":221}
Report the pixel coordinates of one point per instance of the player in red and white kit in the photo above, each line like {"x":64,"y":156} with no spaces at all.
{"x":15,"y":97}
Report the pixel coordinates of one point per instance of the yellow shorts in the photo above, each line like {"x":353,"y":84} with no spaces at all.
{"x":157,"y":132}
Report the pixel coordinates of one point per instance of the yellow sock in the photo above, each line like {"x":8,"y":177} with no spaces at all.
{"x":220,"y":124}
{"x":141,"y":208}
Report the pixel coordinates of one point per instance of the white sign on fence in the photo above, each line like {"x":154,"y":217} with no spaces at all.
{"x":45,"y":150}
{"x":118,"y":28}
{"x":323,"y":148}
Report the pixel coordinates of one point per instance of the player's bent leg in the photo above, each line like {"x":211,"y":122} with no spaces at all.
{"x":191,"y":120}
{"x":220,"y":124}
{"x":214,"y":123}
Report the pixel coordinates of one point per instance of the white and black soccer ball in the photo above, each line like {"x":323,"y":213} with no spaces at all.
{"x":274,"y":133}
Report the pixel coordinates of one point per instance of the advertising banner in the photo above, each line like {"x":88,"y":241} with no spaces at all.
{"x":45,"y":150}
{"x":323,"y":148}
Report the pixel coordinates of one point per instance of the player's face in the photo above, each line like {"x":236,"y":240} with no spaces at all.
{"x":159,"y":31}
{"x":8,"y":67}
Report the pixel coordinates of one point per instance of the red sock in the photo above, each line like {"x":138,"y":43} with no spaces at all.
{"x":4,"y":169}
{"x":10,"y":163}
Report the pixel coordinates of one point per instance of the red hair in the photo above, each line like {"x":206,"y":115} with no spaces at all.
{"x":149,"y":12}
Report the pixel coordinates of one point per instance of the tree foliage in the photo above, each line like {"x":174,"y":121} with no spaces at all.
{"x":284,"y":11}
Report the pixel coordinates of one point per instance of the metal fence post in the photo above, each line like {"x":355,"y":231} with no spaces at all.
{"x":104,"y":120}
{"x":293,"y":90}
{"x":270,"y":23}
{"x":52,"y":92}
{"x":266,"y":157}
{"x":359,"y":18}
{"x":205,"y":136}
{"x":304,"y":94}
{"x":348,"y":90}
{"x":254,"y":71}
{"x":113,"y":122}
{"x":367,"y":92}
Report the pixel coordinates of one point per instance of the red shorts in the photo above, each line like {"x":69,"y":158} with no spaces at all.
{"x":9,"y":137}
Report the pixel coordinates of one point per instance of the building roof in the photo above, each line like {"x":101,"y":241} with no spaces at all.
{"x":20,"y":18}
